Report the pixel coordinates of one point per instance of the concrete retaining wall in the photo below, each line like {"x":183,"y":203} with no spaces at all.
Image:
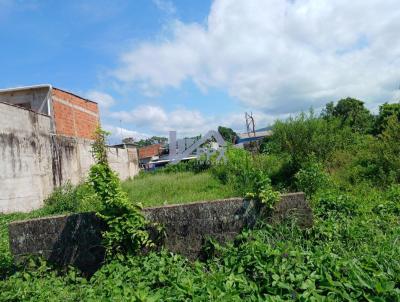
{"x":33,"y":161}
{"x":76,"y":239}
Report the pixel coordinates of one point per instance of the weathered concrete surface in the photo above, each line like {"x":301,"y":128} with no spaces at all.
{"x":33,"y":161}
{"x":25,"y":158}
{"x":35,"y":99}
{"x":76,"y":239}
{"x":64,"y":240}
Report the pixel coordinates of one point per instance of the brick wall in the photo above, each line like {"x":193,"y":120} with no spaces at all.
{"x":73,"y":115}
{"x":149,"y":151}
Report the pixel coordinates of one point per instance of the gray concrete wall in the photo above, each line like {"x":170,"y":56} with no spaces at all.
{"x":74,"y":159}
{"x":35,"y":99}
{"x":25,"y":159}
{"x":33,"y":161}
{"x":76,"y":239}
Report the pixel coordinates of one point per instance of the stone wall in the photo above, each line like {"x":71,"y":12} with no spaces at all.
{"x":76,"y":239}
{"x":33,"y":161}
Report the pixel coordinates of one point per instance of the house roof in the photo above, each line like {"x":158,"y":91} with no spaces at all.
{"x":39,"y":86}
{"x":26,"y":88}
{"x":257,"y":134}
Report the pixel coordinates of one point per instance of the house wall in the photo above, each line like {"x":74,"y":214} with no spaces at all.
{"x":33,"y":161}
{"x":149,"y":151}
{"x":74,"y":116}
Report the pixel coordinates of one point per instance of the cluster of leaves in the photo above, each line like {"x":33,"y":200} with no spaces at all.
{"x":265,"y":195}
{"x":72,"y":199}
{"x":308,"y":137}
{"x":146,"y":142}
{"x":228,"y":134}
{"x":311,"y":178}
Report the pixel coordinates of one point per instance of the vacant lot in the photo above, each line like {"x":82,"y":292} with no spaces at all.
{"x":157,"y":189}
{"x":347,"y":165}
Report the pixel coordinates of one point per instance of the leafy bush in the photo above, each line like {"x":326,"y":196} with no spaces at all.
{"x":238,"y":171}
{"x":311,"y":178}
{"x":307,"y":136}
{"x":379,"y":161}
{"x":72,"y":199}
{"x":330,"y":203}
{"x":264,"y":194}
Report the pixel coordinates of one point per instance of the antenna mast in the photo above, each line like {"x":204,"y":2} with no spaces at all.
{"x":250,"y":125}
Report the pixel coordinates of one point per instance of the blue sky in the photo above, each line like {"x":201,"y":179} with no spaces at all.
{"x":159,"y":65}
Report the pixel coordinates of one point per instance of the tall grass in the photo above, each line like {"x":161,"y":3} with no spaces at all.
{"x":172,"y":188}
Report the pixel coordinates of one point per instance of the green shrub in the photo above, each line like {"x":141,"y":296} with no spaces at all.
{"x":238,"y":170}
{"x":330,"y":203}
{"x":62,"y":200}
{"x":307,"y":136}
{"x":379,"y":160}
{"x":311,"y":178}
{"x":72,"y":199}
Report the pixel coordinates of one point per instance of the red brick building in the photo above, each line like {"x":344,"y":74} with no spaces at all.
{"x":71,"y":114}
{"x":74,"y":115}
{"x":150,"y":151}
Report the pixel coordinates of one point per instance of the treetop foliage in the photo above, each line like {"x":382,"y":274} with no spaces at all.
{"x":227,"y":133}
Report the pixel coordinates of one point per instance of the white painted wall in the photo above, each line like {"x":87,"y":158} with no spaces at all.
{"x":33,"y":161}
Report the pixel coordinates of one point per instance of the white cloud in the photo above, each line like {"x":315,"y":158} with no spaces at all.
{"x":187,"y":122}
{"x":165,"y":6}
{"x":159,"y":121}
{"x":278,"y":56}
{"x":119,"y":133}
{"x":104,"y":100}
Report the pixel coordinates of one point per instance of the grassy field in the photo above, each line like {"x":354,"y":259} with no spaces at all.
{"x":172,"y":188}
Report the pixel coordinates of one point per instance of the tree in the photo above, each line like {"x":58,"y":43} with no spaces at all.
{"x":351,"y":112}
{"x":327,"y":113}
{"x":386,"y":111}
{"x":151,"y":141}
{"x":227,"y":133}
{"x":128,"y":140}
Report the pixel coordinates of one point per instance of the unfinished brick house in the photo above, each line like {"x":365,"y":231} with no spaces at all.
{"x":71,"y":115}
